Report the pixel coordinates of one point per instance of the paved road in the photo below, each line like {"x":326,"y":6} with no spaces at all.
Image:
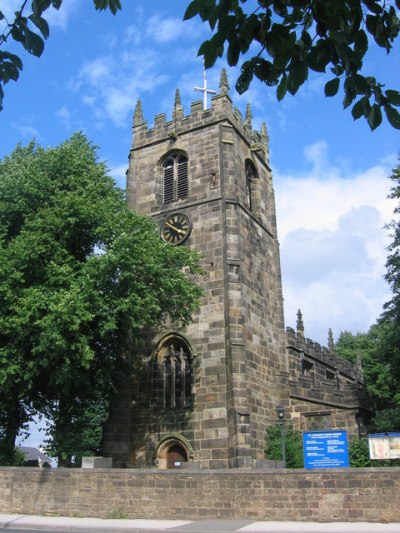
{"x":31,"y":524}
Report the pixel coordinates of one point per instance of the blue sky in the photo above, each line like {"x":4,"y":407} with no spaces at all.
{"x":330,"y":173}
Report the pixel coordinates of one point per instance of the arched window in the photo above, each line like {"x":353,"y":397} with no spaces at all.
{"x":251,"y":177}
{"x":172,"y":374}
{"x":175,"y":177}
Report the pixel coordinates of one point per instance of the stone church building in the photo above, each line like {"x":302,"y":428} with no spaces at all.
{"x":203,"y":395}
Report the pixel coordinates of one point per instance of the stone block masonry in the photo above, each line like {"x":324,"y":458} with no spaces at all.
{"x":350,"y":495}
{"x":205,"y":393}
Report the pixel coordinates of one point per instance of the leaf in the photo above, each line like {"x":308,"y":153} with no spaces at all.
{"x":393,"y":116}
{"x":282,"y":88}
{"x":375,"y":117}
{"x":319,"y":56}
{"x":361,"y":43}
{"x":100,"y":5}
{"x":10,"y":72}
{"x":210,"y":51}
{"x":297,"y":76}
{"x":233,"y":53}
{"x":6,"y":56}
{"x":349,"y":92}
{"x":193,"y":9}
{"x":112,"y":5}
{"x":17,"y":34}
{"x":1,"y":97}
{"x":375,"y":7}
{"x":245,"y":78}
{"x":360,"y":108}
{"x":250,"y":28}
{"x":205,"y":8}
{"x":360,"y":84}
{"x":115,"y":5}
{"x":332,"y":87}
{"x":41,"y":24}
{"x":33,"y":43}
{"x":393,"y":96}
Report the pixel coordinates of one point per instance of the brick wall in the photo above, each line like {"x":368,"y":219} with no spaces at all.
{"x":335,"y":495}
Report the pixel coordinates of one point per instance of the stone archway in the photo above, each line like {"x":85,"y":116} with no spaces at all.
{"x":172,"y":453}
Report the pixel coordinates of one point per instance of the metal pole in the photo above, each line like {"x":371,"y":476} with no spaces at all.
{"x":281,"y":418}
{"x":283,"y":444}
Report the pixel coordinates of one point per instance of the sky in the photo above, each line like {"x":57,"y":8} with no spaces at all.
{"x":330,"y":173}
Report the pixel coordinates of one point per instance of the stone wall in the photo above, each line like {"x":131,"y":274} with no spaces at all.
{"x":334,"y":495}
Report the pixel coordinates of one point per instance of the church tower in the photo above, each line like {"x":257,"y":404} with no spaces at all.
{"x":204,"y":395}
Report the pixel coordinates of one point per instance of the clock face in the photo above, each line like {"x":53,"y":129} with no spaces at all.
{"x":176,"y":228}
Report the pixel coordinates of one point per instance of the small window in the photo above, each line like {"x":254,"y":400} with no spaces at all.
{"x":330,"y":375}
{"x":306,"y":366}
{"x":250,"y":184}
{"x":175,"y":178}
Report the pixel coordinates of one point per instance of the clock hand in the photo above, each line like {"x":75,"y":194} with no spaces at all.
{"x":174,"y":228}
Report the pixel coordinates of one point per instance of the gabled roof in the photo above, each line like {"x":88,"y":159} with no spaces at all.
{"x":33,"y":454}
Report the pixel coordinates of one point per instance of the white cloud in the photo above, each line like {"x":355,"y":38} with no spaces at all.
{"x":327,"y":192}
{"x":10,"y":7}
{"x":59,"y":18}
{"x":27,"y":131}
{"x":118,"y":172}
{"x":55,"y":18}
{"x":97,"y":71}
{"x":64,"y":115}
{"x":110,"y":85}
{"x":333,"y":244}
{"x":164,"y":30}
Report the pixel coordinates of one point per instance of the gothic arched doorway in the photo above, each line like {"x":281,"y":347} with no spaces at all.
{"x":172,"y":453}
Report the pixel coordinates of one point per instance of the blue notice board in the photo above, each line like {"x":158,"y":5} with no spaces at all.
{"x":325,"y":449}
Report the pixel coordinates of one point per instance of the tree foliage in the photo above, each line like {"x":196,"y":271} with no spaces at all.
{"x":280,"y":41}
{"x":293,"y":446}
{"x":31,"y":30}
{"x":379,"y":357}
{"x":392,"y":308}
{"x":359,"y":454}
{"x":80,"y":277}
{"x":372,"y":347}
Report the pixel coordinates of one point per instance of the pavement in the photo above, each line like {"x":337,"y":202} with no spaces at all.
{"x":89,"y":525}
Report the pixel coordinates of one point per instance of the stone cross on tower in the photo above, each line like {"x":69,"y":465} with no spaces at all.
{"x":205,"y":91}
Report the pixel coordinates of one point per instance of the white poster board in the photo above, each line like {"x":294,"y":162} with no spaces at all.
{"x":384,"y":446}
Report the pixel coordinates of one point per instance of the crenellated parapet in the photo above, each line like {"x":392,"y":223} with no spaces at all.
{"x":221,"y":110}
{"x":303,"y":350}
{"x":324,"y":390}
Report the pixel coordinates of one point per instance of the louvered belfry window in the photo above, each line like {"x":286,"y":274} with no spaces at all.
{"x":175,"y":178}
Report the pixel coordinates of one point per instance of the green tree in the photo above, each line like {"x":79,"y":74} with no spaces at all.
{"x":280,"y":41}
{"x":392,"y":308}
{"x":293,"y":446}
{"x":359,"y":454}
{"x":372,"y":349}
{"x":375,"y":350}
{"x":80,"y":277}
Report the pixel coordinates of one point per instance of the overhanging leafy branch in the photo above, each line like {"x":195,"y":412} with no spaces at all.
{"x":296,"y":36}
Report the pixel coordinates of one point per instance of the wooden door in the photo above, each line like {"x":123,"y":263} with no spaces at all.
{"x":176,"y":455}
